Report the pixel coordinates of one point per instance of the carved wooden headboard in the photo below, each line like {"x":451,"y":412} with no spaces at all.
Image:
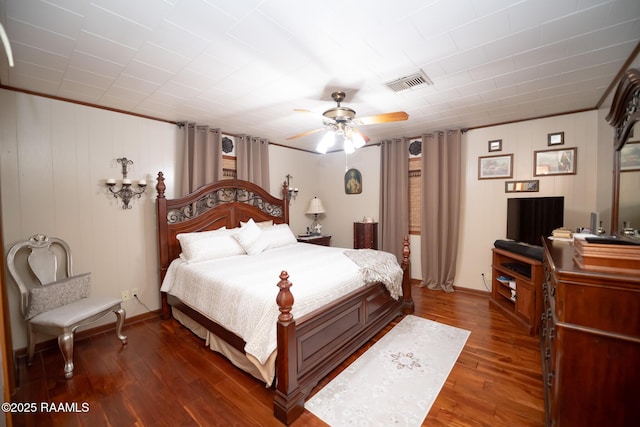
{"x":221,"y":204}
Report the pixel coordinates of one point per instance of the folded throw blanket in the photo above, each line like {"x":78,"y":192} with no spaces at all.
{"x":378,"y":266}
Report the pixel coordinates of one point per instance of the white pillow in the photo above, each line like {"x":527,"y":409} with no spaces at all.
{"x":251,"y":239}
{"x":279,"y":235}
{"x":206,"y":245}
{"x":261,"y":224}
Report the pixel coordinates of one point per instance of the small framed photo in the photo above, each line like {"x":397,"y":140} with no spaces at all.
{"x":561,"y":161}
{"x":630,"y":157}
{"x":556,"y":138}
{"x":522,"y":186}
{"x":495,"y":167}
{"x":495,"y":145}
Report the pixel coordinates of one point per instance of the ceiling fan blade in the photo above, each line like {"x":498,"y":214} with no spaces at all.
{"x":300,"y":135}
{"x":365,"y":137}
{"x":300,"y":110}
{"x":381,"y":118}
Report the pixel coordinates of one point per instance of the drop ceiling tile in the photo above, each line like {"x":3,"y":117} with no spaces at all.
{"x":175,"y":39}
{"x":135,"y":84}
{"x":94,"y":64}
{"x":514,"y":43}
{"x":609,"y":36}
{"x":46,"y":16}
{"x":34,"y":84}
{"x":75,"y":90}
{"x":34,"y":55}
{"x":622,"y":10}
{"x":541,"y":55}
{"x":138,"y":12}
{"x":147,"y":72}
{"x":104,"y":48}
{"x":109,"y":26}
{"x":47,"y":41}
{"x":481,"y":31}
{"x":87,"y":78}
{"x":158,"y":57}
{"x":133,"y":97}
{"x":573,"y":25}
{"x":201,"y":19}
{"x":442,"y":17}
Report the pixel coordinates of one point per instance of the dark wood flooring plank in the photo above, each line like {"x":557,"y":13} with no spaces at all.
{"x":166,"y":376}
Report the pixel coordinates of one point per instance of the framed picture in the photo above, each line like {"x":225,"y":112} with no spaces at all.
{"x":556,"y":138}
{"x":495,"y":167}
{"x":522,"y":186}
{"x":353,"y":182}
{"x":630,"y":157}
{"x":495,"y":145}
{"x":561,"y":161}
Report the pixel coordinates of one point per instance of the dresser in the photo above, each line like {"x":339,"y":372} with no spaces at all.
{"x":365,"y":235}
{"x":590,"y":343}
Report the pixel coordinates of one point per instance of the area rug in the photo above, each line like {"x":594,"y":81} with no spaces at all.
{"x":396,"y":380}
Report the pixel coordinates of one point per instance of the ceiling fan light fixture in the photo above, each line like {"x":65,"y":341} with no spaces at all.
{"x":348,"y":146}
{"x":357,"y":139}
{"x":326,"y":142}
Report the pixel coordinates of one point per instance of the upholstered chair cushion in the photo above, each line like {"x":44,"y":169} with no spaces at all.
{"x":53,"y":295}
{"x":75,"y":312}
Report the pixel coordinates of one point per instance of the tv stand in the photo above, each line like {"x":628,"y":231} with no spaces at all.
{"x":523,"y":305}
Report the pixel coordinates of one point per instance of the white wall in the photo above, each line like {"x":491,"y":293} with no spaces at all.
{"x":55,"y":156}
{"x":484,"y":202}
{"x":54,"y":159}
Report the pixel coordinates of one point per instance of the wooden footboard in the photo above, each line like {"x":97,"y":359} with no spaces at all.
{"x":311,"y":347}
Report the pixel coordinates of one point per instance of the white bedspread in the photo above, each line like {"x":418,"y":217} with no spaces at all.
{"x":239,"y":292}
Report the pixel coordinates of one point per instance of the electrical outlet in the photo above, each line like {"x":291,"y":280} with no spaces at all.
{"x":134,"y":293}
{"x":126,"y":296}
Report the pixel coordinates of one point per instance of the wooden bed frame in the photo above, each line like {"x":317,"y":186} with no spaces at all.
{"x":310,"y":347}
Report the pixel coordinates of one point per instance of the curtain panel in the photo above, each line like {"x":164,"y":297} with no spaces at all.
{"x":202,"y":156}
{"x":394,"y":195}
{"x":252,"y":156}
{"x":441,"y":172}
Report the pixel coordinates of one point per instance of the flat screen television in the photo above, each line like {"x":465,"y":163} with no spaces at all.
{"x":531,"y":218}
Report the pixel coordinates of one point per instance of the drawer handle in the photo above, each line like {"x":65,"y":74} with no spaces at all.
{"x":549,"y":379}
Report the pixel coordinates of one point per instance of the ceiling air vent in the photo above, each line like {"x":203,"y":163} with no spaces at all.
{"x":413,"y":81}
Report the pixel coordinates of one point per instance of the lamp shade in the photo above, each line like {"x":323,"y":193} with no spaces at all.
{"x":315,"y":207}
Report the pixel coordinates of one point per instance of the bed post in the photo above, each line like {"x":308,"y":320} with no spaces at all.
{"x":285,"y":206}
{"x":288,"y":403}
{"x":163,"y":245}
{"x":408,"y":306}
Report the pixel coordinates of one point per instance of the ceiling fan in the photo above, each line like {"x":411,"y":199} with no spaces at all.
{"x":342,"y":121}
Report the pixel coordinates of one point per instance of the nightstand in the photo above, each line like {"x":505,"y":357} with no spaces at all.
{"x":324,"y":240}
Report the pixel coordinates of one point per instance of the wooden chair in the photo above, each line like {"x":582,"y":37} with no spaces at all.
{"x":53,"y":301}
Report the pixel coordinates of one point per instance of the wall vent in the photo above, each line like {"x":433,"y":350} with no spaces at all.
{"x":414,"y":81}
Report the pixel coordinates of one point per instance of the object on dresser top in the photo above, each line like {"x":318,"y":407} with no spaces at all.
{"x":562,"y":233}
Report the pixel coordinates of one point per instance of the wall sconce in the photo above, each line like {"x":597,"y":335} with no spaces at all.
{"x":126,"y":192}
{"x":293,"y":192}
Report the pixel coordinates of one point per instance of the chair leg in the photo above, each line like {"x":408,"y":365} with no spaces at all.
{"x":31,"y":343}
{"x":65,"y":342}
{"x":121,"y":315}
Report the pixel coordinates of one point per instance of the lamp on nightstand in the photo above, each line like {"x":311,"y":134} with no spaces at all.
{"x":315,"y":208}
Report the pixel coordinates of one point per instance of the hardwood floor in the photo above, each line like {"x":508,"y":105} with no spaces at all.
{"x":166,"y":377}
